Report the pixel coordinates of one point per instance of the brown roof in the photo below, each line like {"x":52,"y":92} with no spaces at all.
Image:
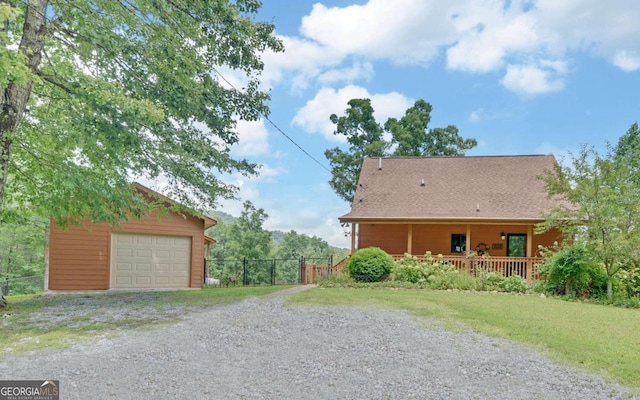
{"x":466,"y":188}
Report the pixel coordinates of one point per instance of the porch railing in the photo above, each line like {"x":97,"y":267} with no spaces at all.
{"x":525,"y":267}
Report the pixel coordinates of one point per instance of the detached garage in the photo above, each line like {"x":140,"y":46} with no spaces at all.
{"x":158,"y":251}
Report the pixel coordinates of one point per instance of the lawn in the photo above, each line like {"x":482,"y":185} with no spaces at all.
{"x":600,"y":338}
{"x":34,"y":322}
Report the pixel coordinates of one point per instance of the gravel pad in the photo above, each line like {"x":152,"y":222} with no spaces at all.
{"x":262,"y":348}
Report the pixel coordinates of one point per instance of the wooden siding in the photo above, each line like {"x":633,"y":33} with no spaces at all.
{"x":390,"y":238}
{"x":79,"y":258}
{"x":436,"y":238}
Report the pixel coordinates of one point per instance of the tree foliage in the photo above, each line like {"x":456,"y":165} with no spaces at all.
{"x":409,"y":136}
{"x":22,"y":247}
{"x":295,"y":245}
{"x":94,"y":92}
{"x":245,"y":237}
{"x":604,"y":193}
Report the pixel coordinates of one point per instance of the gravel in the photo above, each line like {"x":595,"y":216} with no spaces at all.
{"x":263,"y":348}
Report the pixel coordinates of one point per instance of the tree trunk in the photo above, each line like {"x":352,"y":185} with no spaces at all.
{"x":610,"y":288}
{"x":15,"y":97}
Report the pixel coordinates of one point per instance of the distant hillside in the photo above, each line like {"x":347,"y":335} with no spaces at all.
{"x":277,"y":236}
{"x":221,"y":216}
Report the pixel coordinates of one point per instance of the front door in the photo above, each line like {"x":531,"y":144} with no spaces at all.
{"x":516,"y":247}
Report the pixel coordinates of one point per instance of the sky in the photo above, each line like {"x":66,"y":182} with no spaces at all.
{"x":521,"y":77}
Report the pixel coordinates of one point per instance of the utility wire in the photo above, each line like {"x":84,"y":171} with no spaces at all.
{"x":277,"y":127}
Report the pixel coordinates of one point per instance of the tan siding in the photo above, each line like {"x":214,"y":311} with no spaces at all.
{"x":80,"y":257}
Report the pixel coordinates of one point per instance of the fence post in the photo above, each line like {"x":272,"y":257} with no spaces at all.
{"x":306,"y":271}
{"x":273,"y":272}
{"x":529,"y":267}
{"x":245,"y":277}
{"x":330,"y":264}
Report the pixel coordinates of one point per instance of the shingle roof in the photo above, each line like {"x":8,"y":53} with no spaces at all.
{"x":485,"y":188}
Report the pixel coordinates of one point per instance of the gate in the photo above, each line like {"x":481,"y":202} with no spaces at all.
{"x":257,"y":272}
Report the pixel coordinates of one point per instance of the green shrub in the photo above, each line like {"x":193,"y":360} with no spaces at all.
{"x":568,"y":271}
{"x":370,"y":265}
{"x":489,"y":281}
{"x":513,"y":284}
{"x":408,"y":273}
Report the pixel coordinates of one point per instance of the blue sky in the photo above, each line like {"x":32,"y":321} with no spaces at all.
{"x":522,"y":77}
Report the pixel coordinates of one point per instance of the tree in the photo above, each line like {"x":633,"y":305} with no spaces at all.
{"x":410,"y":136}
{"x":93,"y":92}
{"x":413,"y":137}
{"x":604,"y":204}
{"x":364,"y":136}
{"x":246,"y":237}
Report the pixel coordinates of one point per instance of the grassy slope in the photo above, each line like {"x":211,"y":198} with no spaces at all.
{"x":600,"y":338}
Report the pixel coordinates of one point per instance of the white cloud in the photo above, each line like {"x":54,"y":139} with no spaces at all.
{"x":348,"y":74}
{"x":627,"y":61}
{"x":402,"y":31}
{"x":314,"y":116}
{"x":302,"y":61}
{"x":339,"y":44}
{"x":533,"y":79}
{"x":253,"y":139}
{"x":484,"y":46}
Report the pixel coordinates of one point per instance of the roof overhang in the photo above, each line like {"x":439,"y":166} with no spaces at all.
{"x":208,"y":222}
{"x":409,"y":220}
{"x":209,"y":239}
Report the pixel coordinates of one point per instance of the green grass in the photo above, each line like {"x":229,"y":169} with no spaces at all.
{"x":35,"y":322}
{"x":600,"y":338}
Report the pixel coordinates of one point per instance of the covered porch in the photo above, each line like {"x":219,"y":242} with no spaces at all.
{"x":506,"y":247}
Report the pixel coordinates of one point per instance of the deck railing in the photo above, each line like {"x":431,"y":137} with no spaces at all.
{"x":525,"y":267}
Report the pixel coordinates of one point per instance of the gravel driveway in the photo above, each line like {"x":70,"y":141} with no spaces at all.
{"x":262,"y":348}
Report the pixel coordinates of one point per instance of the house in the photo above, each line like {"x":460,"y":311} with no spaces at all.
{"x":454,"y":206}
{"x":162,"y":250}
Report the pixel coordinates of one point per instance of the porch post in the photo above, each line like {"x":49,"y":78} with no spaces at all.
{"x":353,"y":237}
{"x":410,"y":239}
{"x":529,"y":254}
{"x":467,"y":248}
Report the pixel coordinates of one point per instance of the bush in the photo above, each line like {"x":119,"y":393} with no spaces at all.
{"x":489,"y":281}
{"x":513,"y":284}
{"x":370,"y":265}
{"x":569,"y":271}
{"x":408,"y":269}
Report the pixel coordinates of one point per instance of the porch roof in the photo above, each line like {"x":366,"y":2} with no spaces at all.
{"x":471,"y":188}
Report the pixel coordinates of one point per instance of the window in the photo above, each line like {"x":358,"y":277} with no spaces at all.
{"x":458,"y":242}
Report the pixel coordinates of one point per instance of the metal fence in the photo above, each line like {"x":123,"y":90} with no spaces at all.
{"x":23,"y":285}
{"x":250,"y":272}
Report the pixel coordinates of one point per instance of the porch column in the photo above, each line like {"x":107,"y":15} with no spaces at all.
{"x":467,"y":261}
{"x":529,"y":254}
{"x":410,"y":239}
{"x":353,"y":237}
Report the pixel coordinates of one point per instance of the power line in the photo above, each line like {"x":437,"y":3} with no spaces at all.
{"x":277,"y":127}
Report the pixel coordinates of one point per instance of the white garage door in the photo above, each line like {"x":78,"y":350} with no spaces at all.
{"x":150,"y":261}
